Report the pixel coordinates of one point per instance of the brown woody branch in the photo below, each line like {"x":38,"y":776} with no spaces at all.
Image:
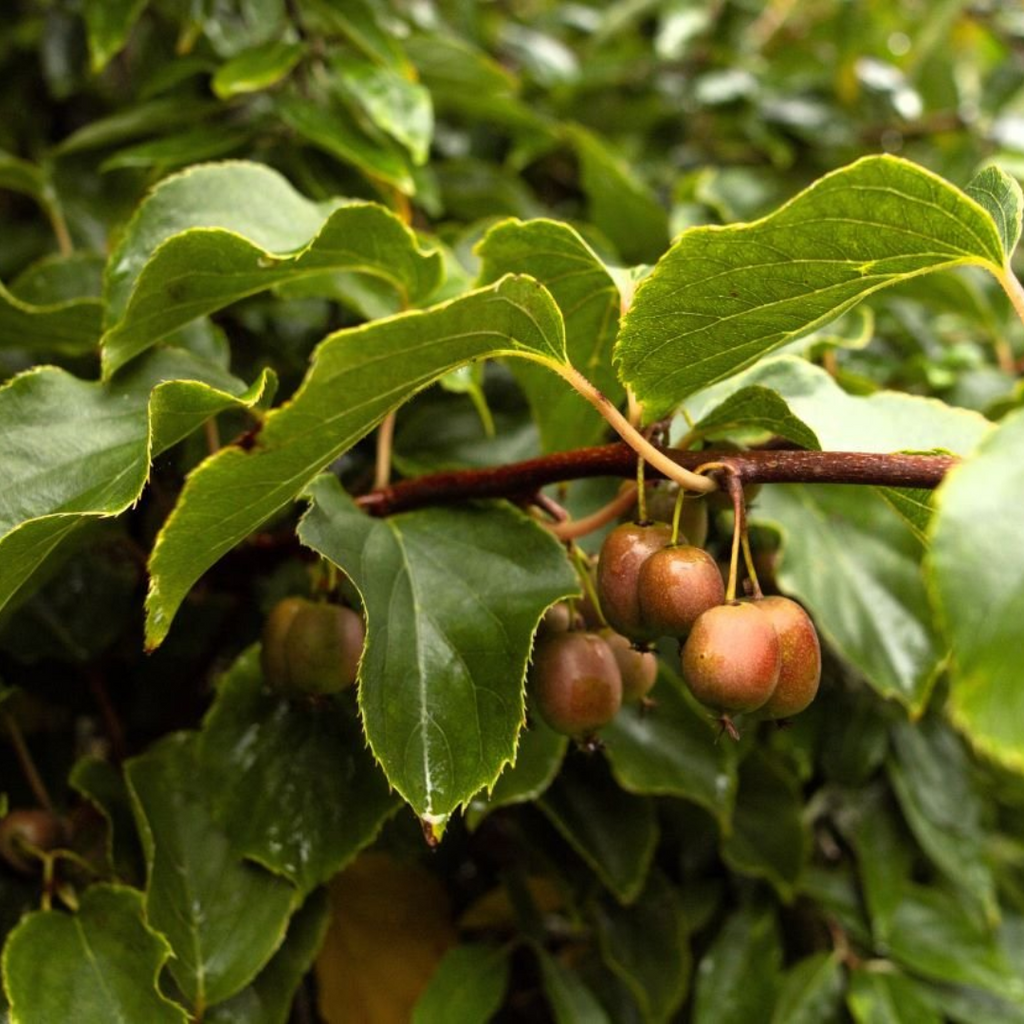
{"x":522,"y":480}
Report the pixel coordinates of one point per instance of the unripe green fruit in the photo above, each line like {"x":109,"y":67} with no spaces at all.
{"x":38,"y":828}
{"x":675,"y":586}
{"x":624,"y":551}
{"x":311,"y":648}
{"x":800,"y":671}
{"x":576,"y":683}
{"x":732,"y":658}
{"x":639,"y":669}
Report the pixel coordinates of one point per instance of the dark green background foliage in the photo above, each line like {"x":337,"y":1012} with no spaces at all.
{"x":235,"y":235}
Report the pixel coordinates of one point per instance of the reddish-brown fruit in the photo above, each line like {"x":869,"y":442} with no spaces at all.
{"x":557,"y":619}
{"x":693,"y":516}
{"x":624,"y":551}
{"x":38,"y":828}
{"x":732,"y":658}
{"x":675,"y":586}
{"x":576,"y":683}
{"x":639,"y":669}
{"x":311,"y":648}
{"x":800,"y":671}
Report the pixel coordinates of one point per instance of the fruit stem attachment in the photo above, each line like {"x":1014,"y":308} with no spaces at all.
{"x":676,"y":513}
{"x":587,"y":582}
{"x":28,"y":766}
{"x":571,"y":529}
{"x":385,"y":442}
{"x":739,"y":511}
{"x":655,"y":456}
{"x":641,"y":492}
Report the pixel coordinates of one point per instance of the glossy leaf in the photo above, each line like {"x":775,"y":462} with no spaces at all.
{"x":811,"y":991}
{"x":396,"y":105}
{"x":560,"y":259}
{"x":357,"y":376}
{"x":322,"y":799}
{"x":256,"y":69}
{"x":195,"y":219}
{"x":539,"y":755}
{"x":672,"y":749}
{"x":976,"y":582}
{"x":614,"y":832}
{"x":647,"y":946}
{"x":100,"y":964}
{"x":941,"y":802}
{"x":723,"y":297}
{"x":570,"y":1000}
{"x":856,"y":568}
{"x":441,"y":680}
{"x":198,"y":888}
{"x":759,"y":408}
{"x":70,"y":327}
{"x":99,"y":472}
{"x":887,"y":997}
{"x":390,"y":929}
{"x":468,"y":986}
{"x":768,"y":838}
{"x":738,"y":977}
{"x":268,"y":1000}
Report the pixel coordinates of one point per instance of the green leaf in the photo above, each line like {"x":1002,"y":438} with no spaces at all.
{"x":760,"y":408}
{"x":671,"y":749}
{"x":139,"y":121}
{"x":329,"y":126}
{"x":614,"y":832}
{"x":70,"y":327}
{"x":268,"y":1000}
{"x":856,"y":568}
{"x":194,"y":145}
{"x":570,"y":999}
{"x":933,"y":781}
{"x":885,"y":996}
{"x":539,"y":756}
{"x":256,"y":69}
{"x":738,"y":976}
{"x":100,"y":964}
{"x":619,"y":203}
{"x":322,"y":799}
{"x":396,"y":105}
{"x":105,"y":787}
{"x":195,"y":219}
{"x":58,"y":474}
{"x":358,"y":20}
{"x":647,"y":946}
{"x":22,"y":176}
{"x":932,"y":934}
{"x":357,"y":376}
{"x":560,"y":259}
{"x":58,"y":278}
{"x":975,"y":569}
{"x":468,"y":986}
{"x":768,"y":838}
{"x":811,"y":991}
{"x":1000,"y":196}
{"x":723,"y":297}
{"x":198,"y":889}
{"x":452,"y":598}
{"x":107,"y":24}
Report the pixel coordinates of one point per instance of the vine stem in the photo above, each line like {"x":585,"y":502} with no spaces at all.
{"x":1014,"y":290}
{"x":28,"y":766}
{"x":655,"y":456}
{"x":573,"y":528}
{"x":521,"y":480}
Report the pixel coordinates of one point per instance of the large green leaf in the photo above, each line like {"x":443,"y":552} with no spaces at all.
{"x":71,"y":327}
{"x":561,"y":260}
{"x":468,"y":986}
{"x":248,"y":230}
{"x":57,"y":474}
{"x":100,"y":964}
{"x":322,"y":799}
{"x":647,"y":946}
{"x":977,"y":575}
{"x":268,"y":999}
{"x":452,"y":598}
{"x":722,"y":297}
{"x":198,"y":889}
{"x":613,"y":831}
{"x":856,"y":568}
{"x":671,"y":749}
{"x":357,"y":376}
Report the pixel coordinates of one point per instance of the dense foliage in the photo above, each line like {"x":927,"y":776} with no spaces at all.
{"x":237,"y":236}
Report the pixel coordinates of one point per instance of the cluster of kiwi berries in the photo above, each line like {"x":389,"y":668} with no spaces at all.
{"x":737,"y":656}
